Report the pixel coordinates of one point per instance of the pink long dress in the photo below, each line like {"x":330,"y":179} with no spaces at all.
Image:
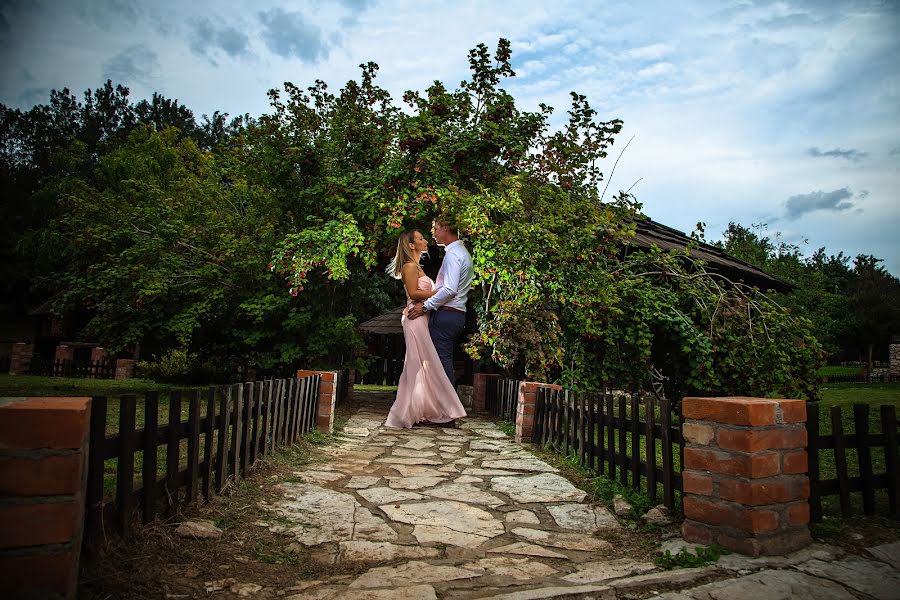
{"x":424,"y":392}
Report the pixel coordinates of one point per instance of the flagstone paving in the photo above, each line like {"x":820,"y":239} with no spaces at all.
{"x":466,"y":513}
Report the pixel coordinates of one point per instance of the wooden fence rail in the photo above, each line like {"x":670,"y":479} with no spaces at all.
{"x":98,"y":369}
{"x":241,"y":423}
{"x":501,"y":399}
{"x":837,"y":443}
{"x":607,"y":435}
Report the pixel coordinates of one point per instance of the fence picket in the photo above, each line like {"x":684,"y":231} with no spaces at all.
{"x":257,"y":422}
{"x":623,"y":443}
{"x":94,"y":493}
{"x":222,"y":441}
{"x":634,"y":423}
{"x":665,"y":422}
{"x":237,"y":436}
{"x":889,"y":428}
{"x":812,"y":453}
{"x":611,"y":436}
{"x":840,"y":459}
{"x":149,"y":463}
{"x":246,"y":427}
{"x":125,"y":469}
{"x":193,"y":449}
{"x":861,"y":423}
{"x":209,"y":428}
{"x":173,"y":454}
{"x":650,"y":447}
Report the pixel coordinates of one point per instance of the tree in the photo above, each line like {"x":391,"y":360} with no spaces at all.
{"x":557,"y":297}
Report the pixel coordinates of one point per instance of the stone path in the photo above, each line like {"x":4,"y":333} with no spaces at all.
{"x":466,"y":513}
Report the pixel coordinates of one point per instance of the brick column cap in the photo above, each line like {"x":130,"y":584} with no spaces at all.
{"x":60,"y":421}
{"x":743,"y":410}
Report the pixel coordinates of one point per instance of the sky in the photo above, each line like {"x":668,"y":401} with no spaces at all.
{"x":782,"y":116}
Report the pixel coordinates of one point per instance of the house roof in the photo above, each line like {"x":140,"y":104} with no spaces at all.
{"x":385,"y":324}
{"x":650,"y":233}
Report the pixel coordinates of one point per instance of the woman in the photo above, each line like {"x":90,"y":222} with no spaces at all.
{"x":424,"y":394}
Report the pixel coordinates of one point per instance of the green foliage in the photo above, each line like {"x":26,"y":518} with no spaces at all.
{"x":162,"y":237}
{"x":507,"y":427}
{"x":173,"y":366}
{"x":852,"y":306}
{"x":702,"y":556}
{"x":605,"y":490}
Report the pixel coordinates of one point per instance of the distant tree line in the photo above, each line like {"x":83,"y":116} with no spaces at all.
{"x":854,"y":304}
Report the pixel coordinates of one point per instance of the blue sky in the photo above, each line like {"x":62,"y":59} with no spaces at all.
{"x":778,"y":113}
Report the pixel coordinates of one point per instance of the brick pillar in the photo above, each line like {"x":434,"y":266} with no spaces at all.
{"x":480,"y":382}
{"x":526,"y":408}
{"x":64,"y":352}
{"x":124,"y":368}
{"x":98,"y":354}
{"x":327,"y":399}
{"x":20,"y":358}
{"x":43,"y":474}
{"x":745,"y":483}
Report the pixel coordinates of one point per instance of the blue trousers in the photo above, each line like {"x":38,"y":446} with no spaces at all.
{"x":446,"y":327}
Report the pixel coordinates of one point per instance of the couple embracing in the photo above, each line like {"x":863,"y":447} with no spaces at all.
{"x":433,"y":320}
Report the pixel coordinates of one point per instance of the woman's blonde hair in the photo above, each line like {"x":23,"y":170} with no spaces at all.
{"x":404,"y":254}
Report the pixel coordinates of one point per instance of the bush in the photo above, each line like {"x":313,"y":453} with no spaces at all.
{"x":173,"y":367}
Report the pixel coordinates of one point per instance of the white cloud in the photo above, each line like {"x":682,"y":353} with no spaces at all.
{"x":725,"y":104}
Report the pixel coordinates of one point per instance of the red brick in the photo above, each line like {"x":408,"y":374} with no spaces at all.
{"x":697,"y":433}
{"x":754,"y":440}
{"x":754,"y":466}
{"x":697,"y":483}
{"x":37,"y":524}
{"x":697,"y":533}
{"x":327,"y":376}
{"x":713,"y":512}
{"x":798,"y":514}
{"x":778,"y":544}
{"x":758,"y":492}
{"x":795,"y":462}
{"x":733,"y":411}
{"x":47,"y":476}
{"x":526,"y":409}
{"x":44,"y":423}
{"x":792,"y":411}
{"x":38,"y":576}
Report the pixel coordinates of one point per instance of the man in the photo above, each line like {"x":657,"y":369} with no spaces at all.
{"x":447,"y":308}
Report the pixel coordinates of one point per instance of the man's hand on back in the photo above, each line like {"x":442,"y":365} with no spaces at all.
{"x":415,"y":312}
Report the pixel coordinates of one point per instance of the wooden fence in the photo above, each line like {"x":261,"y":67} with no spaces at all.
{"x":608,"y":436}
{"x":834,"y":445}
{"x":5,"y":363}
{"x":390,"y":351}
{"x":242,"y":423}
{"x":501,"y":399}
{"x":105,"y":369}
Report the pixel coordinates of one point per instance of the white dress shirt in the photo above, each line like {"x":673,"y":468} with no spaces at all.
{"x":454,"y":279}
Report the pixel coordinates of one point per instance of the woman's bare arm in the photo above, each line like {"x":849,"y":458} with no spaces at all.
{"x":410,"y":275}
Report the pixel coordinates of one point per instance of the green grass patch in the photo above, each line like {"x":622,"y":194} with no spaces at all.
{"x":507,"y":427}
{"x":371,"y":387}
{"x":838,"y":371}
{"x":702,"y":556}
{"x":17,"y":386}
